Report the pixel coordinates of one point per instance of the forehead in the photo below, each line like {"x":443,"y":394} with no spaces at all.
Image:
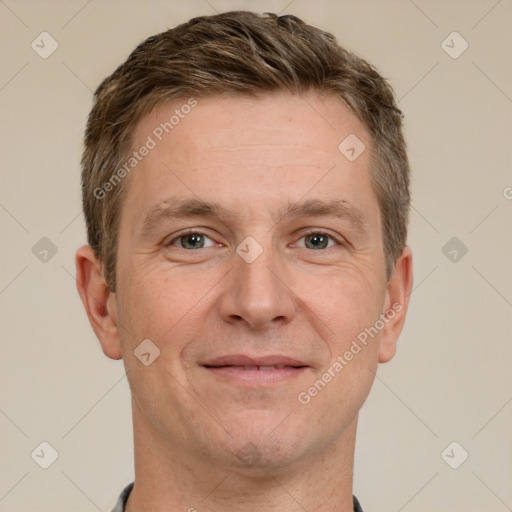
{"x":273,"y":118}
{"x":275,"y":146}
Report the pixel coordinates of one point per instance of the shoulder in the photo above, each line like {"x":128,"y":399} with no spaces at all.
{"x":123,"y":497}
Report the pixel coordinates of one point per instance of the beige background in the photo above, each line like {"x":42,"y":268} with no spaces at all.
{"x":451,"y":378}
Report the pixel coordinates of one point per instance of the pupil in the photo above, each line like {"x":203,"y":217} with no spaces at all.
{"x":318,"y":241}
{"x":192,"y":240}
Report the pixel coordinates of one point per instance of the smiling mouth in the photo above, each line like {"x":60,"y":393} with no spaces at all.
{"x":261,"y":368}
{"x":255,"y":376}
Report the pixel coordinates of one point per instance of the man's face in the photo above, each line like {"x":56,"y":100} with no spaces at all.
{"x":251,"y":287}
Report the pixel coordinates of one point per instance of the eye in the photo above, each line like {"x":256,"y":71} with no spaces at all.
{"x":190,"y":240}
{"x":317,"y":240}
{"x":193,"y":240}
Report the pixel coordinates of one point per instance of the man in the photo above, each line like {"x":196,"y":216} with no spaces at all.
{"x":246,"y":193}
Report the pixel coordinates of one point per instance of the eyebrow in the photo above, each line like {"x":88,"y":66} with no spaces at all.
{"x":182,"y":208}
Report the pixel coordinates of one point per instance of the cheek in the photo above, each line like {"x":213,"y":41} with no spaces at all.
{"x":353,"y":311}
{"x":162,"y":305}
{"x":348,"y":307}
{"x":346,"y":301}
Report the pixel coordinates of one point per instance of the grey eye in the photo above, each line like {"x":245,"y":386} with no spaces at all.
{"x":192,"y":241}
{"x":317,"y":240}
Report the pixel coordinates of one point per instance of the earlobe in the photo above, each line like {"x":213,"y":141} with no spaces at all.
{"x":398,"y":292}
{"x":95,"y":295}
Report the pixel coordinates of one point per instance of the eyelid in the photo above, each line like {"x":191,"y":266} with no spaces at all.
{"x":309,"y":231}
{"x":320,"y":231}
{"x":175,"y":237}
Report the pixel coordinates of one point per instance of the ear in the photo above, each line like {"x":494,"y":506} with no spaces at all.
{"x":98,"y":301}
{"x":398,"y":291}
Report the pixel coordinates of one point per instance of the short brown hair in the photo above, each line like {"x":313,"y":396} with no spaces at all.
{"x":240,"y":53}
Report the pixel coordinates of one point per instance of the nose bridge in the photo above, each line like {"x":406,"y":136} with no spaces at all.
{"x":257,"y":292}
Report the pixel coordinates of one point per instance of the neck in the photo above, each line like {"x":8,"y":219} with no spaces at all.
{"x":167,"y":479}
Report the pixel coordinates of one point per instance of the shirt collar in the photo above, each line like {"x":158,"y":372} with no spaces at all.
{"x":123,"y":498}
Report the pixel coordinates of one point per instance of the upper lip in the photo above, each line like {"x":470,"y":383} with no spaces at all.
{"x":243,"y":360}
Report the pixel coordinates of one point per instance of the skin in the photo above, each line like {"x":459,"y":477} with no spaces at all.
{"x":252,"y":156}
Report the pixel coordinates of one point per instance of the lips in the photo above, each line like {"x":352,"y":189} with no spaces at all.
{"x":260,"y":368}
{"x":259,"y":363}
{"x":257,"y":371}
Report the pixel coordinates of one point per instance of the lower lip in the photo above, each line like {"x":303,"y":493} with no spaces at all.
{"x":256,"y":377}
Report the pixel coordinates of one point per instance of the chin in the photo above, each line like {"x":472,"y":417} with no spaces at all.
{"x":267,"y":443}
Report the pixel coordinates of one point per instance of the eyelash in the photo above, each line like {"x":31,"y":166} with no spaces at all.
{"x":196,"y":232}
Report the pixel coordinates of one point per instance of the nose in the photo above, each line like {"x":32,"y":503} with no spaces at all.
{"x":257,"y":293}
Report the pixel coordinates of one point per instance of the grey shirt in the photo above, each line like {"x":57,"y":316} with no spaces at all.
{"x":121,"y":502}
